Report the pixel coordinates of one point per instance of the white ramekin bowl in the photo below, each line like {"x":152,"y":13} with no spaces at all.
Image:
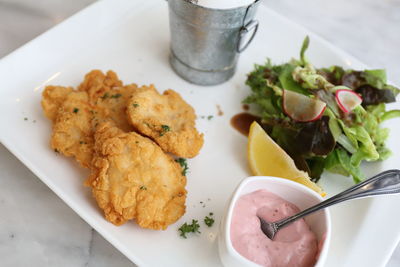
{"x":298,"y":194}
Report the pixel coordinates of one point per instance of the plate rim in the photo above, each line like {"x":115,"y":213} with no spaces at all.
{"x":91,"y":10}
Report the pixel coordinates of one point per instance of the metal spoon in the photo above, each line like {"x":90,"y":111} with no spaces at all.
{"x":387,"y":182}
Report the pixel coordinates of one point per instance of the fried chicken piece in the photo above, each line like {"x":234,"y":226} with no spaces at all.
{"x":132,"y":178}
{"x":112,"y":106}
{"x":101,"y":98}
{"x":72,"y":129}
{"x":96,"y":84}
{"x":167,"y":119}
{"x":52,"y":98}
{"x":73,"y":132}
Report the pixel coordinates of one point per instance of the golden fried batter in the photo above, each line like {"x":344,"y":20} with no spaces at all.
{"x":75,"y":114}
{"x":167,"y":119}
{"x":132,"y":178}
{"x":112,"y":106}
{"x":96,"y":84}
{"x":72,"y":129}
{"x":52,"y":98}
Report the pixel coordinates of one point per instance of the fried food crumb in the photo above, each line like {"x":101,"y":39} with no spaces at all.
{"x":220,"y":112}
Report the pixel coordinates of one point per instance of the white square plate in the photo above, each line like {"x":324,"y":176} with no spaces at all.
{"x":132,"y":38}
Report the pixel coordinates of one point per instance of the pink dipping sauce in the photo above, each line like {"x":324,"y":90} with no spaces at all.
{"x":294,"y":245}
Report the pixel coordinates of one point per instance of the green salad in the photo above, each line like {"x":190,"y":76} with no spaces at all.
{"x":324,"y":118}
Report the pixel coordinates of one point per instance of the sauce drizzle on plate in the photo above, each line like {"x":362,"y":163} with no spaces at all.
{"x":242,"y":122}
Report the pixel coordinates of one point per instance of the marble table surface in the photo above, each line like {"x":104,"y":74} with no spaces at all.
{"x":38,"y":229}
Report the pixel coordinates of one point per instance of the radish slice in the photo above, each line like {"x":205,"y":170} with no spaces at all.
{"x":347,"y":99}
{"x":302,"y":108}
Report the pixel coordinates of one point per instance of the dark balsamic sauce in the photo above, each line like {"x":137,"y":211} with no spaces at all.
{"x":242,"y":122}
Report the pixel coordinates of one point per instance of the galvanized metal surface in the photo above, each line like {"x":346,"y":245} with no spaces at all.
{"x":205,"y":42}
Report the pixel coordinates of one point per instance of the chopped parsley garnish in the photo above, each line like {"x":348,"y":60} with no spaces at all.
{"x":209,"y":117}
{"x":76,"y":110}
{"x":184,"y":165}
{"x":135,"y":105}
{"x":208,"y":220}
{"x":143,"y":187}
{"x":164,"y":129}
{"x":105,"y":96}
{"x":189,"y":228}
{"x":116,"y":96}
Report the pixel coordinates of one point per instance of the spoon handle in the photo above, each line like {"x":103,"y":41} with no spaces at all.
{"x":387,"y":182}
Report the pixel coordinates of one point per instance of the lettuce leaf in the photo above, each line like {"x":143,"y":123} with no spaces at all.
{"x":350,"y":133}
{"x":338,"y":161}
{"x":316,"y":166}
{"x":332,"y":74}
{"x":340,"y":133}
{"x":287,"y":81}
{"x":390,"y":115}
{"x":333,"y":124}
{"x":262,"y":95}
{"x":384,"y":152}
{"x":303,"y":50}
{"x":376,"y":78}
{"x":370,"y":79}
{"x":367,"y":150}
{"x":373,"y":96}
{"x":315,"y":138}
{"x":308,"y":77}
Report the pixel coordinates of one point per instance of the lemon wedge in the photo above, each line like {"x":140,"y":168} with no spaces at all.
{"x":267,"y":158}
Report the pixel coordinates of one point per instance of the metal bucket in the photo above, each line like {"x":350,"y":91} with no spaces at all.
{"x":206,"y":42}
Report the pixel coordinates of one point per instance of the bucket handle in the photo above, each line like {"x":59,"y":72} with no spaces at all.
{"x":241,"y":46}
